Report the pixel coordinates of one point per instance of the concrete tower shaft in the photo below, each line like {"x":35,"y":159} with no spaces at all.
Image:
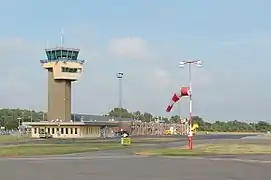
{"x":63,"y":68}
{"x":59,"y":98}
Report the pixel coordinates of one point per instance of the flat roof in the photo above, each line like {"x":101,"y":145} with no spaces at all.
{"x":91,"y":123}
{"x":89,"y":117}
{"x":62,"y":48}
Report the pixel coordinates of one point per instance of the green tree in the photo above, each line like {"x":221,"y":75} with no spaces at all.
{"x":147,"y":117}
{"x":174,"y":119}
{"x":120,"y":112}
{"x":11,"y":118}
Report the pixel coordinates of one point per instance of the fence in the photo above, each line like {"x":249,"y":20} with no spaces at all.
{"x":148,"y":129}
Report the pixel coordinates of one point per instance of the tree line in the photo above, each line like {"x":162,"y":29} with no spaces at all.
{"x":12,"y":118}
{"x":217,"y":126}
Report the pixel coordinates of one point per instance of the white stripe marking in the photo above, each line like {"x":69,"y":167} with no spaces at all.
{"x":221,"y":159}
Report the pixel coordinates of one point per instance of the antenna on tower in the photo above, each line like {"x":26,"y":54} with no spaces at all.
{"x":47,"y":44}
{"x":62,"y":36}
{"x":46,"y":48}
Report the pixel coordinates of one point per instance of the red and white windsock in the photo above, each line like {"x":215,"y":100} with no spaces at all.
{"x":184,"y":91}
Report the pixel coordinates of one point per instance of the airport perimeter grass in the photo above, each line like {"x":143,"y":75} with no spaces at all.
{"x":12,"y":138}
{"x":136,"y":140}
{"x":68,"y":146}
{"x":229,"y":148}
{"x":54,"y":149}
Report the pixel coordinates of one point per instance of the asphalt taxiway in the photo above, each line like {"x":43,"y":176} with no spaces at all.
{"x":133,"y":168}
{"x":118,"y":165}
{"x":178,"y":137}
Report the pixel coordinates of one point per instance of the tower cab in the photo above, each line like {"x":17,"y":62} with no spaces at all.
{"x":64,"y":63}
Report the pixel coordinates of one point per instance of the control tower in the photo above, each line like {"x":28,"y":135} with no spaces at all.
{"x":63,"y":68}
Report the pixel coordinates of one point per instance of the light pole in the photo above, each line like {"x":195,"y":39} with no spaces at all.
{"x":19,"y":121}
{"x":120,"y":77}
{"x":19,"y":124}
{"x":190,"y":63}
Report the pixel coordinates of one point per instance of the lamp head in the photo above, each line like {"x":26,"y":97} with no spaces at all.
{"x":120,"y":75}
{"x":181,"y":64}
{"x":199,"y":63}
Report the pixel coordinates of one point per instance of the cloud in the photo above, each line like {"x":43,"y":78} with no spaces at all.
{"x":14,"y":52}
{"x":19,"y":80}
{"x":129,"y":48}
{"x":9,"y":46}
{"x":147,"y":86}
{"x":261,"y":39}
{"x":140,"y":90}
{"x":155,"y":78}
{"x":150,"y":85}
{"x":148,"y":89}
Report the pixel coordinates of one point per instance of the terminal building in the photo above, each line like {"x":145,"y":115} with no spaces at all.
{"x":64,"y":68}
{"x":81,"y":126}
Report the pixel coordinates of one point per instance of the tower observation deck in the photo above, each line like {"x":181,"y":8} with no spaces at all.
{"x":63,"y":68}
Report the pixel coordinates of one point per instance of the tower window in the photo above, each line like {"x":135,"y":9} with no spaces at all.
{"x":79,"y":70}
{"x":65,"y":69}
{"x":71,"y":70}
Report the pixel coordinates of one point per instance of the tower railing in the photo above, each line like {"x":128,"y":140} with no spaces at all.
{"x":43,"y":61}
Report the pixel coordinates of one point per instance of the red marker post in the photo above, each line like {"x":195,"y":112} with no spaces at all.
{"x":190,"y":140}
{"x":182,"y":64}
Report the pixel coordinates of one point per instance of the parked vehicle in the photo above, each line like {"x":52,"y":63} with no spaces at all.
{"x":121,"y":134}
{"x":46,"y":135}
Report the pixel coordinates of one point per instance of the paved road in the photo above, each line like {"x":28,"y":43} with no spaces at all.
{"x":118,"y":165}
{"x":133,"y":168}
{"x":198,"y":137}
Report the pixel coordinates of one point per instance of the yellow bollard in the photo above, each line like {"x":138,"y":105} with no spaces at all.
{"x":126,"y":141}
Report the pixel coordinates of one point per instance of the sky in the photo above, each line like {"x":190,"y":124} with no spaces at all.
{"x":145,"y":40}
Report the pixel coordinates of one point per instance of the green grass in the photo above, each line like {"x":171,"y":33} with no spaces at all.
{"x":54,"y":149}
{"x":110,"y":141}
{"x":68,"y":146}
{"x":12,"y":138}
{"x":77,"y":141}
{"x":213,"y":149}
